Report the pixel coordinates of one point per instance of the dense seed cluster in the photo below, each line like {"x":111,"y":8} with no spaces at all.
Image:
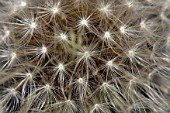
{"x":84,"y":56}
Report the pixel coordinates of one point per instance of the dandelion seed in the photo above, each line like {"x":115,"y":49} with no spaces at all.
{"x":128,"y":32}
{"x":148,"y":26}
{"x":130,"y":4}
{"x":143,"y":25}
{"x":123,"y":29}
{"x":42,"y":96}
{"x":55,"y":10}
{"x":131,"y":53}
{"x":84,"y":22}
{"x":105,"y":9}
{"x":61,"y":71}
{"x":86,"y":54}
{"x":80,"y":80}
{"x":23,"y":4}
{"x":10,"y":100}
{"x":13,"y":55}
{"x":96,"y":106}
{"x":33,"y":25}
{"x":7,"y":33}
{"x":63,"y":36}
{"x":47,"y":86}
{"x":29,"y":75}
{"x":12,"y":91}
{"x":104,"y":84}
{"x":61,"y":67}
{"x":44,"y":50}
{"x":107,"y":35}
{"x":111,"y":67}
{"x":100,"y":108}
{"x":109,"y":63}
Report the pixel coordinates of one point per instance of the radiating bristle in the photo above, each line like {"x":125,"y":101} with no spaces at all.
{"x":84,"y":56}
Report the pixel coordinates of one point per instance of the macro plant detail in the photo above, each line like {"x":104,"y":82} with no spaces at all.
{"x":84,"y":56}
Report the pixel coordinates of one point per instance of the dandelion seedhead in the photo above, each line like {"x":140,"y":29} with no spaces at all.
{"x":84,"y":56}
